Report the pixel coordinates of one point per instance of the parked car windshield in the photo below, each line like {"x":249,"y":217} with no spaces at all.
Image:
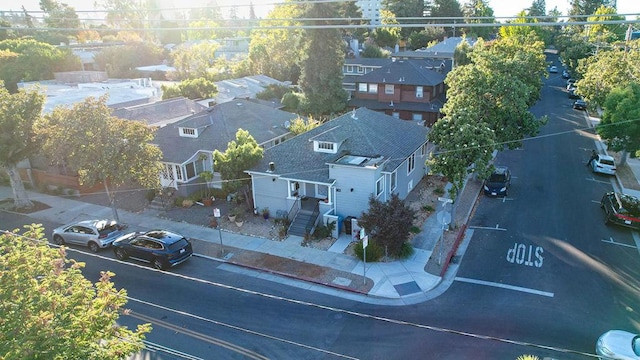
{"x":630,"y":205}
{"x":497,"y":178}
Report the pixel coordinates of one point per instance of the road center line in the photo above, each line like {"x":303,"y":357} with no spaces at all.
{"x":505,"y":286}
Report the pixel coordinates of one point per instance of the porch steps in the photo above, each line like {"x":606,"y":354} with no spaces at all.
{"x":157,"y":204}
{"x":300,"y":222}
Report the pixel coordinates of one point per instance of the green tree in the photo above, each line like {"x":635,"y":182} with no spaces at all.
{"x":509,"y":31}
{"x":100,"y":147}
{"x":605,"y":33}
{"x":51,"y":311}
{"x":461,"y":142}
{"x":321,"y":77}
{"x":195,"y":61}
{"x":422,"y":38}
{"x":6,"y":32}
{"x":121,"y":61}
{"x":404,"y":9}
{"x":300,"y":125}
{"x":444,"y":9}
{"x":388,"y":224}
{"x":31,"y":60}
{"x":475,"y":9}
{"x":620,"y":125}
{"x":387,"y":36}
{"x":607,"y":70}
{"x":278,"y":52}
{"x":60,"y":16}
{"x":538,"y":8}
{"x":124,"y":13}
{"x":191,"y":89}
{"x":18,"y":115}
{"x":241,"y":154}
{"x":373,"y":51}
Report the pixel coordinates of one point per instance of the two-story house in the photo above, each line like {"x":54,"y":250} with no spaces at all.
{"x":329,"y":173}
{"x":405,"y":89}
{"x":187,"y":145}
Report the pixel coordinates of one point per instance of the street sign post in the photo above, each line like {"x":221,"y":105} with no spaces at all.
{"x":365,"y":242}
{"x":216,"y":214}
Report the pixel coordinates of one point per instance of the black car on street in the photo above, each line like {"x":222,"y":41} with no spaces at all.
{"x":160,"y":248}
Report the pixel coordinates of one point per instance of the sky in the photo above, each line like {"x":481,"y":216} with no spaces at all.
{"x":500,"y":7}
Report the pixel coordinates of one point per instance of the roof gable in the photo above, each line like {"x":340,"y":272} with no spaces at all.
{"x":410,"y":72}
{"x":363,"y":133}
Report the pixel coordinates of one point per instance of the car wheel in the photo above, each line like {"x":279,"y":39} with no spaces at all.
{"x":121,"y":254}
{"x":93,"y":247}
{"x":158,"y":264}
{"x":58,"y":240}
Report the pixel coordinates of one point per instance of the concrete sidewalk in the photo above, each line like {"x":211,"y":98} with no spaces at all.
{"x":399,"y":282}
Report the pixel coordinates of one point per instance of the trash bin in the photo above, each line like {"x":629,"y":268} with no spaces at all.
{"x":347,"y":224}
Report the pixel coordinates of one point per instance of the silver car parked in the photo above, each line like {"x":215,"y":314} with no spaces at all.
{"x":95,"y":234}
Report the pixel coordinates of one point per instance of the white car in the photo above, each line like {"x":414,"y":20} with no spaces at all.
{"x":95,"y":234}
{"x":603,"y":164}
{"x":618,"y":345}
{"x":553,"y":69}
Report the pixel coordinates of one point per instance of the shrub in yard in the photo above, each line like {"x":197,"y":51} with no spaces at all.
{"x":439,"y":191}
{"x":414,"y":229}
{"x":374,"y":252}
{"x":428,"y":208}
{"x":406,"y":250}
{"x":150,"y":195}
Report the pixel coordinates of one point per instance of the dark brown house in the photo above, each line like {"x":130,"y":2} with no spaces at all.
{"x":406,"y":89}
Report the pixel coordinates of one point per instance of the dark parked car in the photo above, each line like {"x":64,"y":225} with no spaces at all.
{"x":573,"y":94}
{"x":580,"y":104}
{"x":94,"y":234}
{"x":621,"y":209}
{"x":162,"y":249}
{"x":565,"y":74}
{"x":498,"y":182}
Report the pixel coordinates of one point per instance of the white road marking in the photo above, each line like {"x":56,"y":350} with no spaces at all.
{"x":599,"y":181}
{"x":611,"y":241}
{"x":505,"y":286}
{"x":636,"y":239}
{"x":488,"y":228}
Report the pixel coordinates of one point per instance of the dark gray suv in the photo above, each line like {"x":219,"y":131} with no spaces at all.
{"x":621,"y":209}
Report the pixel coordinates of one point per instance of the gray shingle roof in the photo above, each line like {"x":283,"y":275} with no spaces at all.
{"x":160,"y":111}
{"x":368,"y":133}
{"x":410,"y":72}
{"x":218,"y":125}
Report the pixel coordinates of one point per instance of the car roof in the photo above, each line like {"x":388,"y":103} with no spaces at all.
{"x":92,"y":223}
{"x":164,"y":236}
{"x":500,"y":170}
{"x":606,"y":157}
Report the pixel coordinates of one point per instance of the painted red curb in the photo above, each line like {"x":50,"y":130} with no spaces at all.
{"x":453,"y":249}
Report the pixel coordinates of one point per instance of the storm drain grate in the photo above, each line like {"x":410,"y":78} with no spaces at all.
{"x":407,"y":288}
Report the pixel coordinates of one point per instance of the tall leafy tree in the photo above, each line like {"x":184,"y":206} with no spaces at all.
{"x":387,"y":36}
{"x":195,"y":61}
{"x":125,"y":13}
{"x":193,"y":89}
{"x":240,"y":155}
{"x":537,"y":8}
{"x":30,"y":60}
{"x":405,"y":9}
{"x":121,"y":61}
{"x":100,"y":147}
{"x":608,"y":69}
{"x":425,"y":37}
{"x":60,"y":16}
{"x":620,"y":125}
{"x":321,"y":76}
{"x":19,"y":113}
{"x":278,"y":52}
{"x":509,"y":31}
{"x":605,"y":33}
{"x":6,"y":32}
{"x":51,"y":311}
{"x":388,"y":223}
{"x":447,"y":8}
{"x":479,"y":9}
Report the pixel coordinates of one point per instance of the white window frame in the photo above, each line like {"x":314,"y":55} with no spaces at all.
{"x":417,"y":116}
{"x":423,"y":150}
{"x":411,"y":163}
{"x":419,"y":91}
{"x":380,"y":186}
{"x":360,"y":69}
{"x":373,"y":88}
{"x":362,"y":87}
{"x":389,"y":89}
{"x":349,"y":68}
{"x":393,"y":180}
{"x":325,"y":147}
{"x":396,"y":114}
{"x":188,"y":132}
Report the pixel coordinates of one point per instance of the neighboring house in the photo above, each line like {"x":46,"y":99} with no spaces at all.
{"x":187,"y":145}
{"x":404,"y":89}
{"x":352,"y":69}
{"x":244,"y":87}
{"x":329,"y":172}
{"x":444,"y":51}
{"x":160,"y":113}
